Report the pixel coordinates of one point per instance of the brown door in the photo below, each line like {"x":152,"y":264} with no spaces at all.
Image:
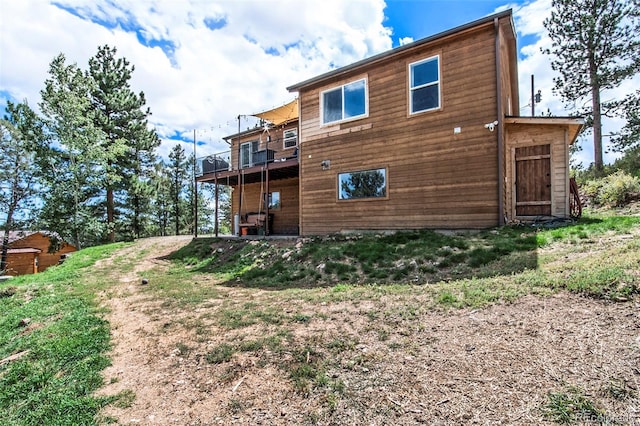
{"x":533,"y":181}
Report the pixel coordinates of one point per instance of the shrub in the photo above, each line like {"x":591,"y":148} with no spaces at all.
{"x":614,"y":190}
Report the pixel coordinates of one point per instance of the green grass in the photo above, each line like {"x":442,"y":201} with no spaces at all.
{"x":573,"y":406}
{"x":477,"y":267}
{"x":66,"y":341}
{"x":65,"y":344}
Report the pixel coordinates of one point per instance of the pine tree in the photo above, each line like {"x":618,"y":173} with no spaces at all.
{"x":75,"y":157}
{"x":20,"y":136}
{"x":178,"y":169}
{"x":595,"y":46}
{"x":129,"y":145}
{"x":627,"y":140}
{"x":160,"y":184}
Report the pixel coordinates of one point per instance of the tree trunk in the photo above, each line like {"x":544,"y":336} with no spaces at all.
{"x":177,"y":206}
{"x":597,"y":131}
{"x":597,"y":116}
{"x":111,"y":216}
{"x":5,"y":250}
{"x":136,"y":216}
{"x":5,"y":239}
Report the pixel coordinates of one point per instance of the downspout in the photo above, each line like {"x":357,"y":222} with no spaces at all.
{"x":500,"y":116}
{"x":240,"y":181}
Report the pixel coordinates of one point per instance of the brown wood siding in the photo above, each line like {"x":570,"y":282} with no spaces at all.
{"x":508,"y":71}
{"x":436,"y":179}
{"x":21,"y":263}
{"x":276,"y":144}
{"x":41,"y":242}
{"x":285,"y":219}
{"x":527,"y":135}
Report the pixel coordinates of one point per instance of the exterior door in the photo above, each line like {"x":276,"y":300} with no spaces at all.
{"x":533,"y":180}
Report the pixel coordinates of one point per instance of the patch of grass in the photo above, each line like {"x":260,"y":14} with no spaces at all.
{"x":447,"y":298}
{"x":301,"y":318}
{"x":125,"y":399}
{"x":235,"y":406}
{"x":620,"y":390}
{"x":221,"y":353}
{"x":183,"y":350}
{"x":308,"y":373}
{"x":572,"y":406}
{"x":54,"y":382}
{"x":235,"y":318}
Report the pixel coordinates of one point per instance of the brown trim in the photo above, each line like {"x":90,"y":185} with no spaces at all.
{"x":500,"y":117}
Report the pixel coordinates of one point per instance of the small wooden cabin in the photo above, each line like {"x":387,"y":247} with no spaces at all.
{"x":427,"y":135}
{"x":29,"y":252}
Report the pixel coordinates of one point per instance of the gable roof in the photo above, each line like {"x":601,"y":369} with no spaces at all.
{"x":22,"y":234}
{"x":398,"y":50}
{"x":19,"y":235}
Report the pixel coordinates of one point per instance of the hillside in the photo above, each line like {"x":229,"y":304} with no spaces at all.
{"x":516,"y":326}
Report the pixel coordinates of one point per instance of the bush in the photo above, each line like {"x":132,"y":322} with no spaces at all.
{"x":619,"y":188}
{"x":614,"y":190}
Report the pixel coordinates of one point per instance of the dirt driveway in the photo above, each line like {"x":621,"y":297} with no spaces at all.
{"x":257,"y":357}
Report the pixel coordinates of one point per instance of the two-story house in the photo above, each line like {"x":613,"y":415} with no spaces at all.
{"x":427,"y":135}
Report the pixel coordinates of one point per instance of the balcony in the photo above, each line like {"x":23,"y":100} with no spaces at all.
{"x":225,"y":168}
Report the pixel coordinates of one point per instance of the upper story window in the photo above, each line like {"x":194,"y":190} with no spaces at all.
{"x":345,"y":102}
{"x":290,"y":138}
{"x":424,"y":90}
{"x":247,"y":151}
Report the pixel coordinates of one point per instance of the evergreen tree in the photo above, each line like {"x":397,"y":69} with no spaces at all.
{"x":20,"y":136}
{"x":178,"y":168}
{"x":595,"y":46}
{"x":160,"y":205}
{"x":628,"y":139}
{"x":75,"y":156}
{"x":129,"y":144}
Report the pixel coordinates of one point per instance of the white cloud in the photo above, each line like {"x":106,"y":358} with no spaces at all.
{"x":228,"y":57}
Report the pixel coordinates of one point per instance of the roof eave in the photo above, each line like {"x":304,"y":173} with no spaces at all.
{"x":574,"y":124}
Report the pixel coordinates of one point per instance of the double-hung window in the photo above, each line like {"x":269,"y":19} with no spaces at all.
{"x":346,"y":102}
{"x":424,"y":90}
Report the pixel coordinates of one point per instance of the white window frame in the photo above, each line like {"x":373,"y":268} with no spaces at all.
{"x":342,"y":87}
{"x":437,"y":82}
{"x":287,"y":139}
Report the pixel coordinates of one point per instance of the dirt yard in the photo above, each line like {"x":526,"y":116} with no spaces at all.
{"x":384,"y":360}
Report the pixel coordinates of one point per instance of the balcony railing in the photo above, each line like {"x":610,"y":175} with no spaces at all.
{"x":222,"y":162}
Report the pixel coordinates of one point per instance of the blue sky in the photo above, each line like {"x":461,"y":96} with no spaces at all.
{"x":201,"y":63}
